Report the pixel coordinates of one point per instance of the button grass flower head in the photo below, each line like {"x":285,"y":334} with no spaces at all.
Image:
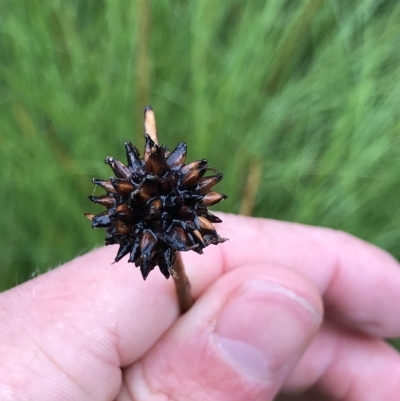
{"x":157,"y":205}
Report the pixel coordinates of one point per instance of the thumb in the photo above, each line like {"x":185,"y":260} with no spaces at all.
{"x":238,"y":342}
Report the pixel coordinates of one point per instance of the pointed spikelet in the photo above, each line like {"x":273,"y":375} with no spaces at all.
{"x":157,"y":206}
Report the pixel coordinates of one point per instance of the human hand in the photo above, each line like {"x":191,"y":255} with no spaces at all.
{"x":89,"y":330}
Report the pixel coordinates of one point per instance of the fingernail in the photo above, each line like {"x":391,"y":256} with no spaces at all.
{"x":265,"y":328}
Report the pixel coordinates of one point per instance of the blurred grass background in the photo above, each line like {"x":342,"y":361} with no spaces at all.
{"x":297,"y":102}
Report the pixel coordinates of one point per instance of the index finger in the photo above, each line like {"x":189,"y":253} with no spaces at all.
{"x":360,"y":283}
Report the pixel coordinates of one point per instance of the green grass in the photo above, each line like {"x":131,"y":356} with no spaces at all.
{"x":310,"y":90}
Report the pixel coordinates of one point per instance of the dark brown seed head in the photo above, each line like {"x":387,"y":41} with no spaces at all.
{"x":157,"y":206}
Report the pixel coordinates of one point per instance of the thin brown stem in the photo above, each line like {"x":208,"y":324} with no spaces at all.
{"x":182,"y":285}
{"x":150,"y":127}
{"x":181,"y":281}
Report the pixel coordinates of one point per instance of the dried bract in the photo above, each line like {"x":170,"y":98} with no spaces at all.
{"x":157,"y":206}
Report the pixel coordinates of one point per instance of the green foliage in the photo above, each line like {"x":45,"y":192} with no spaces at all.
{"x":308,"y":90}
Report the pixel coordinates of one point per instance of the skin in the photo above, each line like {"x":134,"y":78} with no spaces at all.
{"x":280,"y":308}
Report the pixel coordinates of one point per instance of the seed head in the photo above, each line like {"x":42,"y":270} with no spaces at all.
{"x":157,"y":206}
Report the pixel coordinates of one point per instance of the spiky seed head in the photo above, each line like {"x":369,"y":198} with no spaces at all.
{"x":157,"y":206}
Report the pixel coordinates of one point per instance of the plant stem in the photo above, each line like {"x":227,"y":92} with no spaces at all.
{"x":181,"y":281}
{"x":150,"y":127}
{"x":182,"y":285}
